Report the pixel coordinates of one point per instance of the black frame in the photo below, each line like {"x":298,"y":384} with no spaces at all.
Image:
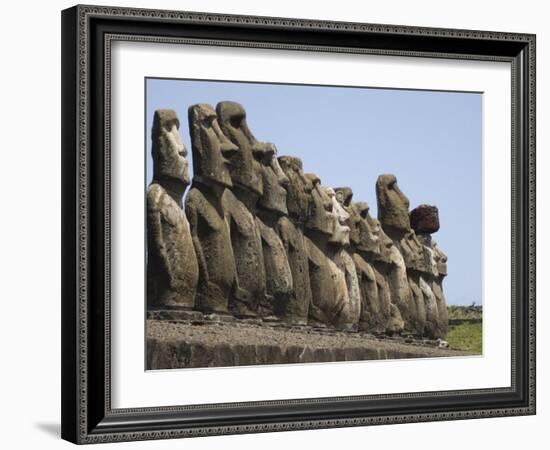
{"x":87,"y":31}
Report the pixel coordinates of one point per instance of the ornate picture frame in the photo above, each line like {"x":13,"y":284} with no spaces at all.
{"x":88,"y":33}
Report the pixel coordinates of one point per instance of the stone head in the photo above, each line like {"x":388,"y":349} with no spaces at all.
{"x":244,"y":169}
{"x":385,"y":243}
{"x":168,"y":151}
{"x":368,"y":230}
{"x":440,"y":259}
{"x":212,"y":151}
{"x":393,"y":206}
{"x":341,"y":232}
{"x":320,"y":216}
{"x":344,"y":195}
{"x":275,"y":182}
{"x":413,"y":252}
{"x":299,"y":188}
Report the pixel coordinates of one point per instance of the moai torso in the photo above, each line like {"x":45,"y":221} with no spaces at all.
{"x":425,"y":221}
{"x":210,"y":232}
{"x":340,"y":240}
{"x":203,"y":205}
{"x":247,"y":250}
{"x":271,"y":209}
{"x":290,"y":230}
{"x":239,"y":203}
{"x":328,"y":272}
{"x":369,"y":319}
{"x":172,"y":269}
{"x":380,"y":250}
{"x":393,"y":213}
{"x":330,"y":298}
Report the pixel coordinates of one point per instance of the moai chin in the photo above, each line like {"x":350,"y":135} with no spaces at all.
{"x":203,"y":205}
{"x":172,"y":269}
{"x":271,"y":208}
{"x":290,"y":230}
{"x":239,"y":204}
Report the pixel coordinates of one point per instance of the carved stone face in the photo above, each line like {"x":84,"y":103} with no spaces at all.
{"x":169,"y":152}
{"x":393,"y":205}
{"x":244,"y":169}
{"x":320,"y":217}
{"x":440,"y":259}
{"x":275,"y":181}
{"x":386,"y":244}
{"x":211,"y":148}
{"x":369,"y":234}
{"x":341,"y":231}
{"x":299,"y":188}
{"x":344,"y":195}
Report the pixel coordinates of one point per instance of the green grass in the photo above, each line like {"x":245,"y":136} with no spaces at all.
{"x":466,"y":337}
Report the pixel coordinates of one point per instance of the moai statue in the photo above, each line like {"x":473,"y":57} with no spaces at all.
{"x":291,"y":231}
{"x":340,"y":243}
{"x":172,"y":269}
{"x":425,"y":221}
{"x":437,"y":287}
{"x":271,"y":208}
{"x":369,"y":319}
{"x":377,"y":248}
{"x":203,"y":206}
{"x":393,"y":213}
{"x":330,"y":296}
{"x":239,"y":204}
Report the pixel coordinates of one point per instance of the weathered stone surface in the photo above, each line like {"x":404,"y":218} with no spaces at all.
{"x":244,"y":168}
{"x":239,"y":204}
{"x":344,"y":196}
{"x":320,"y":204}
{"x":295,"y":247}
{"x":275,"y":182}
{"x":425,"y":219}
{"x":279,"y":285}
{"x":340,"y":241}
{"x":440,"y":259}
{"x":211,"y":148}
{"x":330,"y":298}
{"x":369,"y":318}
{"x":246,"y":243}
{"x":172,"y":269}
{"x":400,"y":291}
{"x":298,"y":200}
{"x":432,"y":328}
{"x":393,"y":206}
{"x":436,"y":260}
{"x":203,"y":206}
{"x":413,"y":252}
{"x":419,"y":302}
{"x":268,"y":245}
{"x":369,"y":231}
{"x":173,"y":345}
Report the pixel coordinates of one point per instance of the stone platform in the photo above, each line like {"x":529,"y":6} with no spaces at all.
{"x":218,"y":343}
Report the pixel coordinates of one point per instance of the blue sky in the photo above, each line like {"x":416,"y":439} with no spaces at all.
{"x":431,"y":141}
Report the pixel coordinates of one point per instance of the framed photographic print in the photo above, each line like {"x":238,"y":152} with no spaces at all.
{"x":280,"y":224}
